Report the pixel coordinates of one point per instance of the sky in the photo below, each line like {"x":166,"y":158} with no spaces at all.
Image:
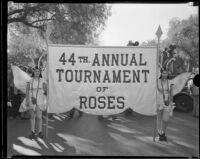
{"x":139,"y":22}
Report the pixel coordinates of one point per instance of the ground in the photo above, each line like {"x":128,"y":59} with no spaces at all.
{"x":131,"y":135}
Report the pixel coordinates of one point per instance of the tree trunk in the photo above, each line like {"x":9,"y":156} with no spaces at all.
{"x":188,"y":66}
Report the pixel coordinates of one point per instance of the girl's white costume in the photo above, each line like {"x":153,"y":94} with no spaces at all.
{"x":21,"y":79}
{"x":41,"y":98}
{"x":160,"y":100}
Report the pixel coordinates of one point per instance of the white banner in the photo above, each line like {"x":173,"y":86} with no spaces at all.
{"x":102,"y":80}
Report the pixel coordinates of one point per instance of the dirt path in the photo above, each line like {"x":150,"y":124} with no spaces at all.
{"x":130,"y":136}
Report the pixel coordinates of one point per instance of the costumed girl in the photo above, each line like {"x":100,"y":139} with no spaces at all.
{"x":35,"y":100}
{"x":165,"y":103}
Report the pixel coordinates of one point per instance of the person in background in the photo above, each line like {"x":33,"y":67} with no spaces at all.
{"x":114,"y":117}
{"x":75,"y":112}
{"x":195,"y":95}
{"x":9,"y":104}
{"x":14,"y":99}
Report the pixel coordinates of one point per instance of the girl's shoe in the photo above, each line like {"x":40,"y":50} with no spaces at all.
{"x":32,"y":135}
{"x":40,"y":135}
{"x":114,"y":118}
{"x":162,"y":137}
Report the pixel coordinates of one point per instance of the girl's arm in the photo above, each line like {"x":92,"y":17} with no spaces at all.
{"x":44,"y":87}
{"x":27,"y":93}
{"x":171,"y":94}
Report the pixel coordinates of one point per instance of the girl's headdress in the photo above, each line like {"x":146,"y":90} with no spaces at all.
{"x":165,"y":66}
{"x":36,"y":64}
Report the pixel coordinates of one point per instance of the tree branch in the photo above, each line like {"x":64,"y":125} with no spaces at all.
{"x":14,"y":20}
{"x":40,"y":20}
{"x":15,"y":11}
{"x":34,"y":8}
{"x":30,"y":24}
{"x":26,"y":11}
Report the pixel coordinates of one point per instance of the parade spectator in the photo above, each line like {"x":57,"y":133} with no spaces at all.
{"x":9,"y":104}
{"x":114,"y":117}
{"x":195,"y":95}
{"x":14,"y":99}
{"x":75,"y":112}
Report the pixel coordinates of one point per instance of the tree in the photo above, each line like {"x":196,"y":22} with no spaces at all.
{"x":72,"y":24}
{"x":23,"y":43}
{"x":184,"y":34}
{"x":32,"y":14}
{"x":149,"y":43}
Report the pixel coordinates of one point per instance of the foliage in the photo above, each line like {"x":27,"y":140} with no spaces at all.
{"x":28,"y":24}
{"x":22,"y":43}
{"x":185,"y":35}
{"x":33,"y":14}
{"x":86,"y":21}
{"x":149,"y":43}
{"x":73,"y":23}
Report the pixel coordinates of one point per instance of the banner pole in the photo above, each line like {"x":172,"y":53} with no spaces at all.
{"x":47,"y":90}
{"x":47,"y":74}
{"x":155,"y":126}
{"x":158,"y":34}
